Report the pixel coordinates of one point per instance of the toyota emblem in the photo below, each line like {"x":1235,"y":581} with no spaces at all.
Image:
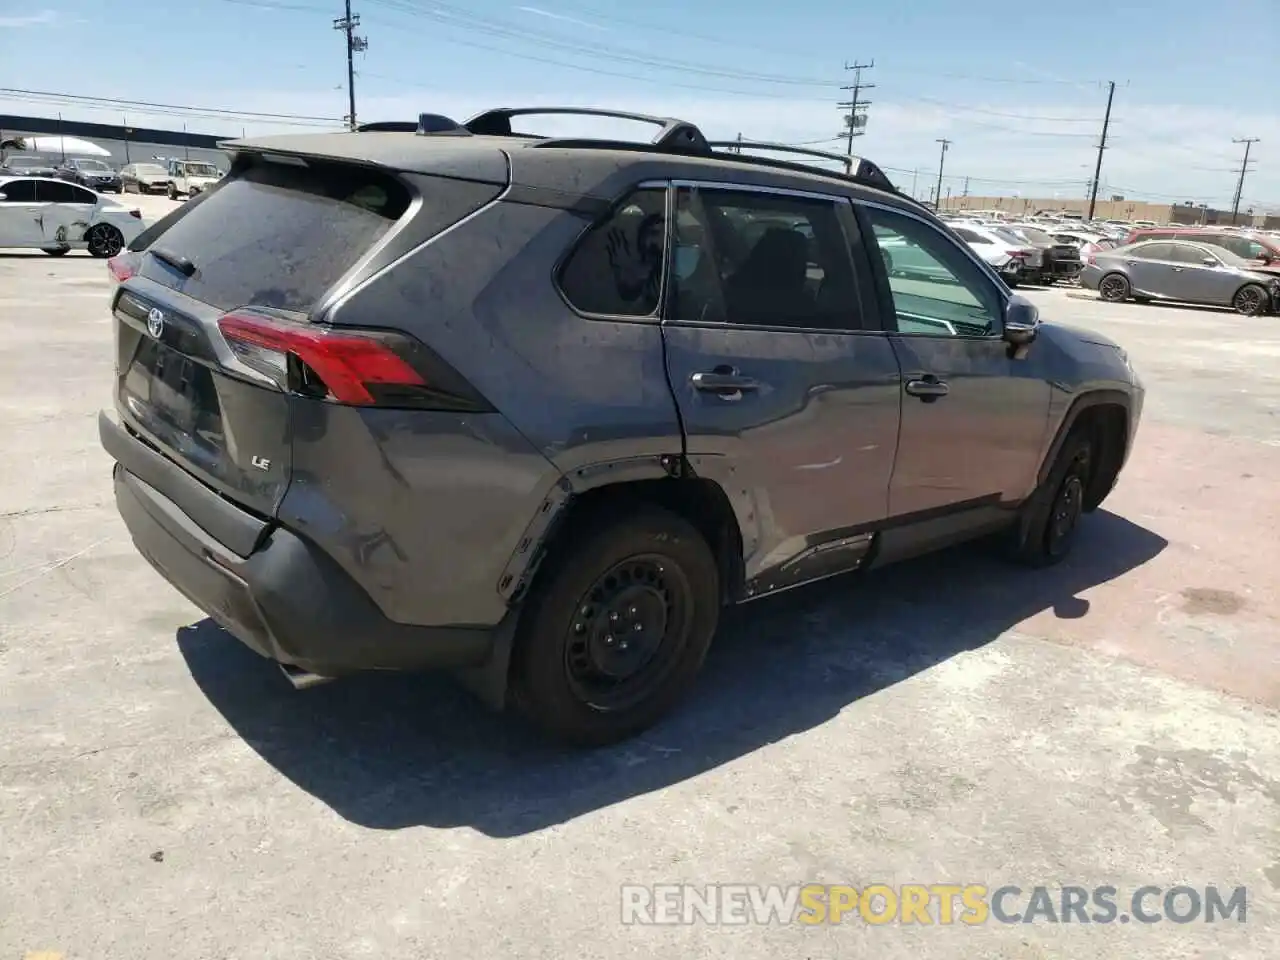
{"x":155,"y":322}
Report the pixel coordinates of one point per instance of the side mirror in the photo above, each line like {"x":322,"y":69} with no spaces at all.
{"x":1266,"y":259}
{"x":1021,"y":322}
{"x":1209,"y":262}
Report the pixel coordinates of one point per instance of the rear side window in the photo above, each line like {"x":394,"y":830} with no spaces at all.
{"x":278,"y":235}
{"x":616,"y":268}
{"x":1154,"y":251}
{"x":1185,"y":253}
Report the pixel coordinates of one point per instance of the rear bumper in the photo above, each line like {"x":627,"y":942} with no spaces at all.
{"x":281,"y":596}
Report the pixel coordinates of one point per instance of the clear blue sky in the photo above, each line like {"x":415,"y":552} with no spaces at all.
{"x":1018,"y":88}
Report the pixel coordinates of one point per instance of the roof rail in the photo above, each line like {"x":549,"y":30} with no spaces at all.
{"x":735,"y":145}
{"x":866,"y":171}
{"x":675,"y":134}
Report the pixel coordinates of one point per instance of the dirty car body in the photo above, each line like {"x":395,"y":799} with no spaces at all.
{"x":391,"y":444}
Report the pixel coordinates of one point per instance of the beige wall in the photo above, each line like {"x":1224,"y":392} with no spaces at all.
{"x":1105,"y":210}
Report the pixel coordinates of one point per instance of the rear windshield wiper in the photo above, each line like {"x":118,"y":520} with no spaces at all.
{"x":175,"y":260}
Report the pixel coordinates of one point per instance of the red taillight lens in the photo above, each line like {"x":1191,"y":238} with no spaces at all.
{"x":122,"y":267}
{"x":352,"y":366}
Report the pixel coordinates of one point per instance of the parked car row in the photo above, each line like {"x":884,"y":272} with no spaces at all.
{"x":176,"y":177}
{"x":1021,"y":252}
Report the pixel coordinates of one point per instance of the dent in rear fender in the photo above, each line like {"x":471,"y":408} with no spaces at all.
{"x":423,"y":509}
{"x":583,"y":391}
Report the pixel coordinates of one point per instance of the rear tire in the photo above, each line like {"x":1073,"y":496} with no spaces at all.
{"x":104,"y":240}
{"x":1250,"y":300}
{"x":617,"y":628}
{"x":1052,"y":515}
{"x":1114,"y":287}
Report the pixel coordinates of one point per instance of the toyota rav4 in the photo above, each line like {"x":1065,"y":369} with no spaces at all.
{"x":533,"y":410}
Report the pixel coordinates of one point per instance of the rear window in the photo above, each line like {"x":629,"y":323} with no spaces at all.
{"x":278,"y":235}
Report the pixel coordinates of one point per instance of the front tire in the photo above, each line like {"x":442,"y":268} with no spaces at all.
{"x":1114,"y":288}
{"x":1250,"y":300}
{"x":104,"y":240}
{"x":172,"y":192}
{"x":1048,"y":529}
{"x":617,"y":629}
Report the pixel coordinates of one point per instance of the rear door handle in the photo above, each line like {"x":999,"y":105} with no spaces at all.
{"x":723,"y":380}
{"x":928,"y":388}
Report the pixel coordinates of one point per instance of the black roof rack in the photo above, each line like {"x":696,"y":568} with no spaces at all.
{"x":674,"y":134}
{"x":735,"y":145}
{"x":866,"y":171}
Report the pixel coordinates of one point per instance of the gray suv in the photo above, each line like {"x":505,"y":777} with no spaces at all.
{"x":533,"y":410}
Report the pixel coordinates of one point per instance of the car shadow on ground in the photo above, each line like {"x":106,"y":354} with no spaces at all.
{"x":391,"y":751}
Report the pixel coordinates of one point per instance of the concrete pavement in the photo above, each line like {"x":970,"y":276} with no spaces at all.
{"x":1113,"y":721}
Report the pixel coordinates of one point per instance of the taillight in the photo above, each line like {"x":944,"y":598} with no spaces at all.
{"x":355,"y":367}
{"x":1020,"y":254}
{"x":122,"y":266}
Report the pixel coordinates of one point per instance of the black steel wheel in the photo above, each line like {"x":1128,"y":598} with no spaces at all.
{"x":1068,"y":507}
{"x":1051,"y":518}
{"x":104,"y":240}
{"x":1250,"y":300}
{"x":626,"y":636}
{"x":1114,"y":287}
{"x":616,"y":627}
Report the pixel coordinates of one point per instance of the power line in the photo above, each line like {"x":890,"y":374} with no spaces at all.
{"x":1102,"y":145}
{"x":1244,"y":168}
{"x":997,"y":113}
{"x":115,"y":103}
{"x":446,"y":13}
{"x":355,"y":44}
{"x":855,"y":121}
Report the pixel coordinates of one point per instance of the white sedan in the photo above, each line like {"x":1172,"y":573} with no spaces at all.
{"x":55,"y":216}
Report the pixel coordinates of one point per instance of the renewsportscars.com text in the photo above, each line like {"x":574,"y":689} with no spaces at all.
{"x":928,"y":904}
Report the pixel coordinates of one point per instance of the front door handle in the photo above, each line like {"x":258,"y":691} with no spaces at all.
{"x":724,"y":381}
{"x":928,"y":388}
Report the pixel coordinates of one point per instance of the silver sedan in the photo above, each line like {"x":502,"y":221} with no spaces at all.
{"x":1178,"y":270}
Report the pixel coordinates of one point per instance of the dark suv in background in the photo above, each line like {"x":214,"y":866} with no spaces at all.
{"x":94,"y":174}
{"x":534,"y":409}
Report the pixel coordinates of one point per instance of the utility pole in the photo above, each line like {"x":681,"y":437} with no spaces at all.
{"x":966,"y":186}
{"x":355,"y":45}
{"x":1244,"y":168}
{"x":914,"y":174}
{"x":1102,"y":145}
{"x":942,"y":159}
{"x":855,"y":121}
